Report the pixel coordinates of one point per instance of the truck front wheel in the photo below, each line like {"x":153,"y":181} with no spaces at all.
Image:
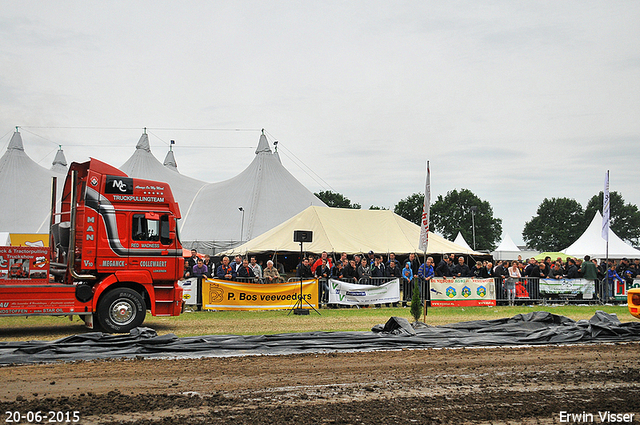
{"x":120,"y":310}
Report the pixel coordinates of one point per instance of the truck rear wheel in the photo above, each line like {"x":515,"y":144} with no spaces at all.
{"x":121,"y":310}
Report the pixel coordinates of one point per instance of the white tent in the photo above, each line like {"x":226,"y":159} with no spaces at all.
{"x":25,"y":191}
{"x":351,"y":231}
{"x":144,"y":165}
{"x":262,"y":196}
{"x":591,"y":243}
{"x":508,"y":250}
{"x":60,"y":163}
{"x":459,"y":240}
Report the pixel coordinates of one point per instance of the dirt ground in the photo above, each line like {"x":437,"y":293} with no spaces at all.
{"x":531,"y":385}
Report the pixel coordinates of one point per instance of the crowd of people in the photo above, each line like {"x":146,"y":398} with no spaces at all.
{"x":373,"y":268}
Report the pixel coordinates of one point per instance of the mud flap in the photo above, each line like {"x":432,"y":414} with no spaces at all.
{"x":88,"y":320}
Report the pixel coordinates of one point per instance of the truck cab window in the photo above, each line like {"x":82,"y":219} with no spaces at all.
{"x":145,"y":229}
{"x":165,"y":230}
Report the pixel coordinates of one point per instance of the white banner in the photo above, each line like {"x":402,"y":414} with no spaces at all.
{"x":568,"y":286}
{"x":424,"y":220}
{"x":353,"y":294}
{"x":606,"y":210}
{"x":462,"y":292}
{"x":189,"y":290}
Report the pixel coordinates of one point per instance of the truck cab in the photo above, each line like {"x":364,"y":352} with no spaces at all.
{"x":114,"y":252}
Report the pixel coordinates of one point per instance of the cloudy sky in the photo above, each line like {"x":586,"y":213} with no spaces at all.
{"x":514,"y":100}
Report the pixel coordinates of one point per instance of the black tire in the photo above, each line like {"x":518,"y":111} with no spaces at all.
{"x":120,"y":310}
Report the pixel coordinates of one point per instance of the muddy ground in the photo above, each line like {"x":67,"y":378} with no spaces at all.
{"x":496,"y":385}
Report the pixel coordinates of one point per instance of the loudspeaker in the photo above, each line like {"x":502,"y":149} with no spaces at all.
{"x":302,"y":236}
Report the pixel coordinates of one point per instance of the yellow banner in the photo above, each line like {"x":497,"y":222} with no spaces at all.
{"x":29,"y":239}
{"x":228,"y":295}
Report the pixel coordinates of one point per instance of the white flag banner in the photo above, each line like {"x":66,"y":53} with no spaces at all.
{"x":606,"y":213}
{"x":424,"y":222}
{"x":355,"y":294}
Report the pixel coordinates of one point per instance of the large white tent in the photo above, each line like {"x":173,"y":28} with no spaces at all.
{"x":460,"y":240}
{"x":592,"y":243}
{"x":261,"y":197}
{"x":25,"y":190}
{"x":508,"y":250}
{"x":144,"y":165}
{"x":351,"y":231}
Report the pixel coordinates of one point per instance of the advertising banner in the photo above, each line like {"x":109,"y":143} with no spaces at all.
{"x":353,"y":294}
{"x":18,"y":263}
{"x":568,"y":286}
{"x":189,"y":290}
{"x":462,"y":292}
{"x":228,"y":295}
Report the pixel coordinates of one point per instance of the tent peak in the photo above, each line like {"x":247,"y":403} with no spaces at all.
{"x":263,"y":144}
{"x":143,"y":143}
{"x":16,"y":141}
{"x":59,"y":162}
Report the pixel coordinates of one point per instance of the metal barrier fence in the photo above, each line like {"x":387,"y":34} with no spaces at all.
{"x":527,"y":291}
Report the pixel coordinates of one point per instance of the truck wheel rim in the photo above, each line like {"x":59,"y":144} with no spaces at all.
{"x":122,"y":312}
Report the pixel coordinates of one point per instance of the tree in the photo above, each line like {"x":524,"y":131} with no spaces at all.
{"x":625,"y":218}
{"x":375,"y":207}
{"x":453,"y":213}
{"x":416,"y":302}
{"x":558,"y":223}
{"x":411,"y":207}
{"x":336,"y":200}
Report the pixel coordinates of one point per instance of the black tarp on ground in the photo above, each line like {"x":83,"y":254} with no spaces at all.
{"x":535,"y":328}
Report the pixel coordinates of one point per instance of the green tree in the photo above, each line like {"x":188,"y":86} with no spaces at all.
{"x":336,"y":200}
{"x":375,"y":207}
{"x":625,"y":218}
{"x":558,"y":223}
{"x":411,"y":207}
{"x":416,"y":302}
{"x":453,"y":213}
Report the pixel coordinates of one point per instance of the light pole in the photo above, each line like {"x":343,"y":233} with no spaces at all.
{"x":242,"y":225}
{"x":474,"y":209}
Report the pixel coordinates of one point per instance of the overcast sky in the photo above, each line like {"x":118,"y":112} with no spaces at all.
{"x":514,"y":100}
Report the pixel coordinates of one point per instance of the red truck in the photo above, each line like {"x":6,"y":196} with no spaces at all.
{"x":114,"y":253}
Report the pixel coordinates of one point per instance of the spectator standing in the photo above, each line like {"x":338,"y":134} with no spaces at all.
{"x":323,"y":272}
{"x":225,"y":271}
{"x":193,"y":260}
{"x":590,"y":272}
{"x":304,"y":270}
{"x":510,"y":286}
{"x":318,"y":262}
{"x":351,"y":271}
{"x":544,"y":270}
{"x":609,"y":287}
{"x":426,"y":271}
{"x":200,"y":269}
{"x":188,"y":270}
{"x":444,"y":267}
{"x":415,"y":263}
{"x":246,"y":272}
{"x":393,"y":270}
{"x":461,"y":269}
{"x":210,"y":266}
{"x":364,"y":272}
{"x":257,"y":270}
{"x":236,"y":263}
{"x":572,"y":270}
{"x":377,"y":269}
{"x":338,"y":271}
{"x":270,"y":274}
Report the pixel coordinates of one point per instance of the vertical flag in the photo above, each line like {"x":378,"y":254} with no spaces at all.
{"x":606,"y":214}
{"x":424,"y":221}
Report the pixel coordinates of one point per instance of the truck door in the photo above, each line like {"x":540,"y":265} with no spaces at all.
{"x":152,"y":247}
